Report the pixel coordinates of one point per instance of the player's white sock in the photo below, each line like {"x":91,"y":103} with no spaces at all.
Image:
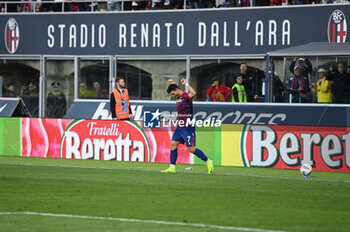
{"x":172,"y":165}
{"x":207,"y":161}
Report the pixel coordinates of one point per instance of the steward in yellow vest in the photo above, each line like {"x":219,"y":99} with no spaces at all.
{"x":119,"y":101}
{"x":323,"y":87}
{"x":238,"y":91}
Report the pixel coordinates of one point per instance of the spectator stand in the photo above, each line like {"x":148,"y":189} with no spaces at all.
{"x":337,"y":51}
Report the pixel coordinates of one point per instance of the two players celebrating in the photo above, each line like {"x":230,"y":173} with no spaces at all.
{"x":185,"y":134}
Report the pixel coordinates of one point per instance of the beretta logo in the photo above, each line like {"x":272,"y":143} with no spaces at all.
{"x":337,"y":27}
{"x":11,"y":35}
{"x":275,"y":146}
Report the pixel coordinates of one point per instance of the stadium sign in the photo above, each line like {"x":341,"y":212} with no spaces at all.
{"x":188,"y":32}
{"x":229,"y":113}
{"x":105,"y":140}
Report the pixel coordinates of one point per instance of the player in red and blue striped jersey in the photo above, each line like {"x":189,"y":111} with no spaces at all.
{"x":184,"y":132}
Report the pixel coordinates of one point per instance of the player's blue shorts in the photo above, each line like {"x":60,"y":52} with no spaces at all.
{"x":185,"y":135}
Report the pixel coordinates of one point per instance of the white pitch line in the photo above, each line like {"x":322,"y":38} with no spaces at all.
{"x":233,"y":228}
{"x":152,"y":170}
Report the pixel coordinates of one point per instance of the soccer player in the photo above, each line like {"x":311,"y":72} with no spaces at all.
{"x":186,"y":133}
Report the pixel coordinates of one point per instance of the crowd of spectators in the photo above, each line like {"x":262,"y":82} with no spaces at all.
{"x":96,"y":91}
{"x":24,"y":90}
{"x":244,"y":87}
{"x":332,"y":86}
{"x":29,"y":93}
{"x":117,"y":5}
{"x":56,"y":99}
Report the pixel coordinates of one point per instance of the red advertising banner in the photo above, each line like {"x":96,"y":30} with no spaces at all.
{"x":98,"y":139}
{"x":273,"y":146}
{"x":41,"y":137}
{"x":287,"y":147}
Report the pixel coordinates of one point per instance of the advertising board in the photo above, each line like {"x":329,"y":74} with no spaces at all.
{"x":269,"y":146}
{"x":228,"y":113}
{"x":286,"y":147}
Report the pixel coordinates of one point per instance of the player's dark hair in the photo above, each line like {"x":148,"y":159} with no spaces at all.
{"x":172,"y":87}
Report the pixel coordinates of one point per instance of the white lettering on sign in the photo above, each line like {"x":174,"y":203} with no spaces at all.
{"x":168,"y":26}
{"x":132,"y":35}
{"x":139,"y":35}
{"x":294,"y":150}
{"x":72,"y":145}
{"x":331,"y":147}
{"x":111,"y":130}
{"x":83,"y":35}
{"x":76,"y":36}
{"x":259,"y":33}
{"x":51,"y":39}
{"x":113,"y":149}
{"x":272,"y":32}
{"x":286,"y":32}
{"x":260,"y":144}
{"x":216,"y":34}
{"x":170,"y":34}
{"x":180,"y":32}
{"x":202,"y":32}
{"x":72,"y":36}
{"x":289,"y":146}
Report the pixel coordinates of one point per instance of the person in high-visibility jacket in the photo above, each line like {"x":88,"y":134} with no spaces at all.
{"x":322,"y":87}
{"x":238,"y":91}
{"x":119,"y":101}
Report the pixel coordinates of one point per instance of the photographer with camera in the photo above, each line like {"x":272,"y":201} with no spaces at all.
{"x":341,"y":83}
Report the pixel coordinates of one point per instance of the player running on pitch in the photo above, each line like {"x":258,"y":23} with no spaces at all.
{"x":187,"y":133}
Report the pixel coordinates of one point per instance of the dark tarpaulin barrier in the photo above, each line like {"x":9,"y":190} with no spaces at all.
{"x":13,"y":107}
{"x":314,"y":49}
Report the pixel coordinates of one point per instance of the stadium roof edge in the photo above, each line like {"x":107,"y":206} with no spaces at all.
{"x":314,"y":49}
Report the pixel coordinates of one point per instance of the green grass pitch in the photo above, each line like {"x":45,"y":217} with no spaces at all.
{"x":88,"y":195}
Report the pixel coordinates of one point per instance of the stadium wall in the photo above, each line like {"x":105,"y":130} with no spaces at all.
{"x":80,"y":48}
{"x":271,"y":146}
